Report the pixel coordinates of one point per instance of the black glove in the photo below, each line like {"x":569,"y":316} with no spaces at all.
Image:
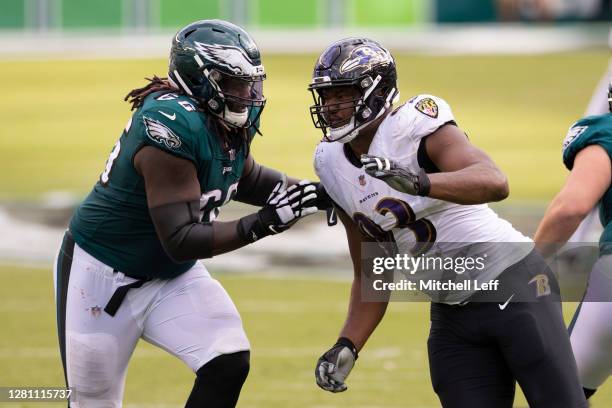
{"x":397,"y":177}
{"x":283,"y":209}
{"x":335,"y":365}
{"x":324,"y":202}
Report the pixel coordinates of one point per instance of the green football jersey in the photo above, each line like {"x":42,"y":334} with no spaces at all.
{"x":589,"y":131}
{"x":113,"y":223}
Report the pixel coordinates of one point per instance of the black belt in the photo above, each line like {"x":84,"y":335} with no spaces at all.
{"x":119,"y":295}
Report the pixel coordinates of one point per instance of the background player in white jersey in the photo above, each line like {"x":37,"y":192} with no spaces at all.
{"x":411,"y":176}
{"x":587,"y":149}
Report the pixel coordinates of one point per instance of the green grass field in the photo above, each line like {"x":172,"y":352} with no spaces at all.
{"x":61,"y":118}
{"x":290,"y":322}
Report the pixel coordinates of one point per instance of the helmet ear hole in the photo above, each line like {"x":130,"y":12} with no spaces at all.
{"x":215,"y":75}
{"x":366,"y":82}
{"x":215,"y":105}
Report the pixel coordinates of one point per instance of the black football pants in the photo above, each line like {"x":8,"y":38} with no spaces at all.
{"x":479,"y":350}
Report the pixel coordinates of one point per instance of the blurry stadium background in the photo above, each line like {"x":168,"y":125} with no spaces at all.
{"x":517,"y":73}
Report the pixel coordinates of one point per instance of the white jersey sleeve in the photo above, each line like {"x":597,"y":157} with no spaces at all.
{"x":425,"y":114}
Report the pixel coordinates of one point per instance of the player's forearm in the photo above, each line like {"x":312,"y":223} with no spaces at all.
{"x":476,"y":184}
{"x":559,"y":223}
{"x":257,"y":184}
{"x":185,"y":238}
{"x":362,"y":318}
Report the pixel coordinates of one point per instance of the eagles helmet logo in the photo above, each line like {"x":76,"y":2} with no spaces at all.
{"x":365,"y":56}
{"x":160,"y":133}
{"x":234,"y":58}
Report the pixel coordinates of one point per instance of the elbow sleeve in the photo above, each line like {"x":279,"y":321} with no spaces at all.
{"x":181,"y":233}
{"x":255,"y":187}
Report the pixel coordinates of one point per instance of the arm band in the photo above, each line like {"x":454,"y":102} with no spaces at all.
{"x":181,"y":233}
{"x":255,"y":187}
{"x":185,"y":238}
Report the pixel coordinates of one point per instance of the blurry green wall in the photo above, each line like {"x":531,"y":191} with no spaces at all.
{"x":109,"y":14}
{"x":13,"y":14}
{"x":464,"y":11}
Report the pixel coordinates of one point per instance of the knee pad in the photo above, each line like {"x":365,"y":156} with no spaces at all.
{"x":230,"y":369}
{"x":92,"y":363}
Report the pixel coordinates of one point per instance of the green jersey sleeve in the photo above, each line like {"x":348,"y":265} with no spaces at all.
{"x":169,"y":130}
{"x":587,"y":131}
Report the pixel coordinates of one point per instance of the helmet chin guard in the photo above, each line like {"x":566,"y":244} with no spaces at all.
{"x":349,"y":132}
{"x":234,"y":118}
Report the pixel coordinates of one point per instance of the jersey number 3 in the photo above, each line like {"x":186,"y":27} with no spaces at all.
{"x":423,"y":230}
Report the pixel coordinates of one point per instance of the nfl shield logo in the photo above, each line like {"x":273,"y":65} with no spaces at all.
{"x":362,"y":180}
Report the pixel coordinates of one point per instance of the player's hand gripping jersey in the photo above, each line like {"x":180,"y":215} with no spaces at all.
{"x":413,"y":220}
{"x":113,"y":222}
{"x":593,"y":130}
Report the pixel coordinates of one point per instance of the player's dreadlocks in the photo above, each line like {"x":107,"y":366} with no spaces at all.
{"x":137,"y":96}
{"x":231,"y":138}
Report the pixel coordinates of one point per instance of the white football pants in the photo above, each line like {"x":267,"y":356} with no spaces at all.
{"x":591,"y":327}
{"x":191,"y":317}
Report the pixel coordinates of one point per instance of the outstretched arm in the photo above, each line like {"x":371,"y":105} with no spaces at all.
{"x":586,"y":184}
{"x":258,"y":181}
{"x":173,"y":197}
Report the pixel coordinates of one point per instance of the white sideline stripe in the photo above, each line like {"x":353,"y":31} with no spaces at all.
{"x":518,"y":39}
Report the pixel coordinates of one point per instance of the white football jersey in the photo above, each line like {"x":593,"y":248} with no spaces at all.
{"x":375,"y":206}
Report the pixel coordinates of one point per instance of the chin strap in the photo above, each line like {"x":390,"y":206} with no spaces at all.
{"x":391,"y":99}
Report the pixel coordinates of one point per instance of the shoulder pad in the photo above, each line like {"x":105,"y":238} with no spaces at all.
{"x":319,"y":157}
{"x":420,"y":116}
{"x":171,"y":128}
{"x":585,"y":132}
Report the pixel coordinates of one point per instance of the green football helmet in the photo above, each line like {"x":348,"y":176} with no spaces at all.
{"x":218,"y":64}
